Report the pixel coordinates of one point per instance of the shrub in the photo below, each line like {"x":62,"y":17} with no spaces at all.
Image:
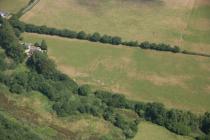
{"x":116,"y":40}
{"x":16,"y":88}
{"x":82,"y":35}
{"x":43,"y":45}
{"x":95,"y":37}
{"x":205,"y":123}
{"x":131,"y":43}
{"x":84,"y":90}
{"x":106,"y":39}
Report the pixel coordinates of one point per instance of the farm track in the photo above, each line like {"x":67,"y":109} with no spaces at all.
{"x":191,"y":4}
{"x":30,"y":6}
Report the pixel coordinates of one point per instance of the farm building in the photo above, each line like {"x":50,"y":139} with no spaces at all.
{"x":3,"y":14}
{"x":30,"y":49}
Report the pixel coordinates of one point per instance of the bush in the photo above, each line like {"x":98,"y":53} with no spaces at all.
{"x":43,"y":45}
{"x":159,"y":47}
{"x":129,"y":128}
{"x":16,"y":88}
{"x":82,"y":35}
{"x":116,"y":40}
{"x":42,"y":65}
{"x":84,"y":90}
{"x":16,"y":52}
{"x":112,"y":100}
{"x":3,"y":64}
{"x":207,"y":137}
{"x":37,"y":44}
{"x":106,"y":39}
{"x":9,"y":42}
{"x":95,"y":37}
{"x":205,"y":123}
{"x":17,"y":24}
{"x":155,"y":112}
{"x":140,"y":109}
{"x":131,"y":43}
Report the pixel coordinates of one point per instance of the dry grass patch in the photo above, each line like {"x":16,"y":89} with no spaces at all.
{"x":166,"y":80}
{"x":202,"y":24}
{"x":73,"y":72}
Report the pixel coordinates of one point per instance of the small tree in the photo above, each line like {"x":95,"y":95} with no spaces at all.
{"x":82,"y":35}
{"x":106,"y":39}
{"x":205,"y":123}
{"x":16,"y":88}
{"x":37,"y":44}
{"x":176,"y":49}
{"x":95,"y":37}
{"x":116,"y":40}
{"x":84,"y":90}
{"x":43,"y":45}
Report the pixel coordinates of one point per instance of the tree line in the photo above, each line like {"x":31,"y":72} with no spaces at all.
{"x":95,"y":37}
{"x":10,"y":43}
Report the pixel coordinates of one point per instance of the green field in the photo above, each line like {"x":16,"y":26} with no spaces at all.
{"x":12,"y":5}
{"x":177,"y":80}
{"x":182,"y":22}
{"x":148,"y":131}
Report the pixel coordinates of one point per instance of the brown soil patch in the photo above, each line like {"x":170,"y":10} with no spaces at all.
{"x":158,"y":80}
{"x":179,"y":3}
{"x":166,"y":80}
{"x":71,"y":71}
{"x":208,"y":89}
{"x":204,"y":2}
{"x":202,"y":24}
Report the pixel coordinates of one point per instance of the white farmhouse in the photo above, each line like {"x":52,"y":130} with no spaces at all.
{"x":3,"y":14}
{"x":30,"y":49}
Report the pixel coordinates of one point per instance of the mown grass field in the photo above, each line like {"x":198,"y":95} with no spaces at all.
{"x":12,"y":5}
{"x":182,"y":22}
{"x":177,"y":80}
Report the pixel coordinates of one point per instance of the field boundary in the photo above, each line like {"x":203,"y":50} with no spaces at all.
{"x":105,"y":39}
{"x":27,"y":8}
{"x":97,"y":37}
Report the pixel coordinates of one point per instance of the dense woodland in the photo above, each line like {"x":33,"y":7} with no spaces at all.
{"x":69,"y":98}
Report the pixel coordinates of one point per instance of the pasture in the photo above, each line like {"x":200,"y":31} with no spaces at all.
{"x":177,"y":80}
{"x":148,"y":131}
{"x":178,"y":22}
{"x":12,"y":6}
